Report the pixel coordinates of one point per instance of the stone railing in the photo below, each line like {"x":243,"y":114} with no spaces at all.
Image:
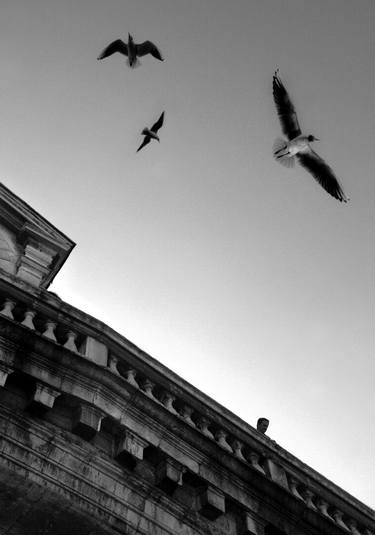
{"x":255,"y":451}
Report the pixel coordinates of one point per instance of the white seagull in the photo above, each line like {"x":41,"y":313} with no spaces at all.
{"x":298,"y":144}
{"x":151,"y":133}
{"x":131,"y":50}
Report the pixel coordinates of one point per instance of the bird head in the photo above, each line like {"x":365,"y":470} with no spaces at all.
{"x":312,"y":138}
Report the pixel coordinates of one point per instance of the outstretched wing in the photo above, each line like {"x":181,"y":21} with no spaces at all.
{"x":285,"y":109}
{"x":148,"y":48}
{"x":322,"y":173}
{"x":115,"y":46}
{"x":159,"y":123}
{"x":146,"y":140}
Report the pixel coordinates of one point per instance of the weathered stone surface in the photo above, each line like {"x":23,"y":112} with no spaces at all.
{"x":119,"y":443}
{"x":211,"y":503}
{"x":276,"y":473}
{"x":252,"y":526}
{"x":130,"y":448}
{"x":87,"y":421}
{"x":95,"y":351}
{"x":168,"y":475}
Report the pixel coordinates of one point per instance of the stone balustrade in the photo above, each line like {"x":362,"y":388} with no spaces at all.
{"x":55,"y":330}
{"x":262,"y":459}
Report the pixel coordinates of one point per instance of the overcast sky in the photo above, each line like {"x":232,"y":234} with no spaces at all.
{"x":244,"y":277}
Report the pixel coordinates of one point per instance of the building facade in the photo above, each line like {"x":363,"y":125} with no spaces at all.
{"x":97,"y":437}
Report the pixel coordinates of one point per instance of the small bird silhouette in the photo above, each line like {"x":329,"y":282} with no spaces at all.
{"x":298,"y":145}
{"x":151,"y":133}
{"x":131,"y":50}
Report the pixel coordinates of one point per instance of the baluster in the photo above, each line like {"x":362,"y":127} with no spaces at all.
{"x":112,"y":364}
{"x":221,"y":440}
{"x":130,"y":377}
{"x":203,"y":426}
{"x":9,"y":305}
{"x":337,"y":515}
{"x":28,"y":319}
{"x":293,"y":488}
{"x":323,"y":507}
{"x":70,"y":343}
{"x":309,"y":499}
{"x":49,"y":332}
{"x":186,"y":415}
{"x":254,"y":461}
{"x":148,"y":387}
{"x":167,"y":400}
{"x":237,"y":449}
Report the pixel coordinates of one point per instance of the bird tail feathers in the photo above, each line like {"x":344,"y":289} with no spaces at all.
{"x":278,"y":148}
{"x":278,"y":145}
{"x":136,"y":63}
{"x":286,"y":161}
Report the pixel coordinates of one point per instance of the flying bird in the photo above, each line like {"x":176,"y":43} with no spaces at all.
{"x":299,"y":145}
{"x":151,"y":133}
{"x":131,"y":50}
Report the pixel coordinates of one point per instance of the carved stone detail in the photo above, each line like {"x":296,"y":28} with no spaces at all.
{"x":323,"y":507}
{"x":130,"y":448}
{"x":294,"y":489}
{"x":237,"y":449}
{"x":8,"y":308}
{"x":50,"y":330}
{"x":130,"y":377}
{"x":33,"y":265}
{"x":167,"y":400}
{"x":169,"y":475}
{"x":45,"y":395}
{"x":211,"y":503}
{"x":203,"y":424}
{"x":87,"y":420}
{"x":309,"y":495}
{"x":337,"y":516}
{"x":112,"y":364}
{"x":28,"y":319}
{"x":254,"y":461}
{"x":148,"y":387}
{"x":70,"y":343}
{"x":221,"y":440}
{"x":186,"y":415}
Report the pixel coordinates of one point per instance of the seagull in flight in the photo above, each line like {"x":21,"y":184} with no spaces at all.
{"x":299,"y":145}
{"x":151,"y":133}
{"x":131,"y":50}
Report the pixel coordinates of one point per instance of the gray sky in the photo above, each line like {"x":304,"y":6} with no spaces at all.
{"x":244,"y":277}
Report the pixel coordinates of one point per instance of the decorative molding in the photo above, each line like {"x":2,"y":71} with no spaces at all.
{"x":39,"y":249}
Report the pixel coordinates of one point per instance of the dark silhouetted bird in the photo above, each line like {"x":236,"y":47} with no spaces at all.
{"x":298,"y":145}
{"x":151,"y":133}
{"x":131,"y":50}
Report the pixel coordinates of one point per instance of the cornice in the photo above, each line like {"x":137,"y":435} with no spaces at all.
{"x":151,"y":369}
{"x":43,"y":248}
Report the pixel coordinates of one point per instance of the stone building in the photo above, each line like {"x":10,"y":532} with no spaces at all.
{"x":97,"y":437}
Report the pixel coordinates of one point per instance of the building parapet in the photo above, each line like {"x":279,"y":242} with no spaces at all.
{"x":117,"y":380}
